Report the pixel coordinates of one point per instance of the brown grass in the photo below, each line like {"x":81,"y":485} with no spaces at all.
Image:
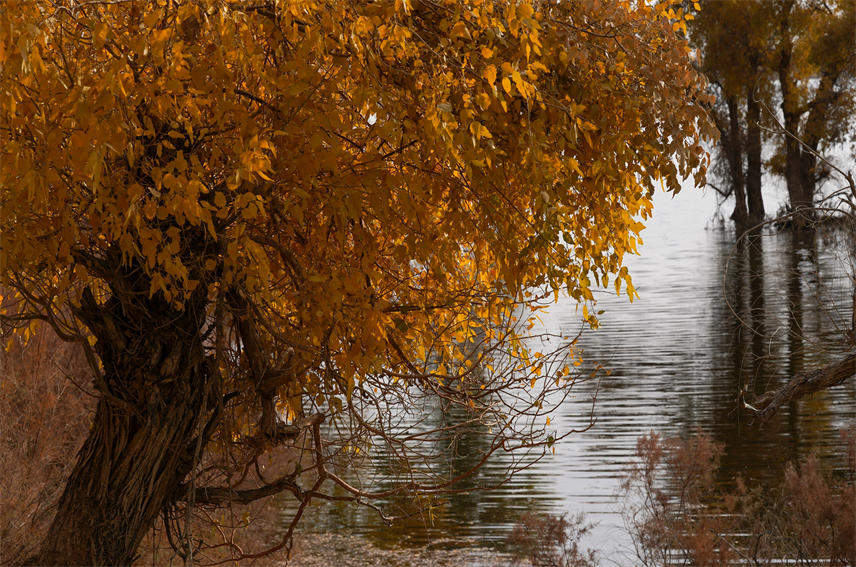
{"x":44,"y":419}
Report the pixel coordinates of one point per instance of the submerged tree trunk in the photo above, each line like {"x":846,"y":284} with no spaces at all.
{"x":734,"y":154}
{"x":753,"y":158}
{"x":815,"y":125}
{"x":793,"y":154}
{"x":801,"y":199}
{"x":766,"y":405}
{"x":157,"y":391}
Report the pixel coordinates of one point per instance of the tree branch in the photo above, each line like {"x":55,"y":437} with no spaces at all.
{"x":225,"y":495}
{"x":764,"y":406}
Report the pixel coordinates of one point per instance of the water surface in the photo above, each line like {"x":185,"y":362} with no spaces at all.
{"x":715,"y":317}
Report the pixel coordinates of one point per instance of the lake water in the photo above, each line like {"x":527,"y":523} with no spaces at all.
{"x":713,"y":317}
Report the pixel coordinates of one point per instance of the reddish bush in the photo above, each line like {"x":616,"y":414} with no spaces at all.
{"x":676,"y":516}
{"x":666,"y":493}
{"x":552,"y":541}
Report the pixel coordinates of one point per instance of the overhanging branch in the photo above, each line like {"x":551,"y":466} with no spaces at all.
{"x":225,"y":495}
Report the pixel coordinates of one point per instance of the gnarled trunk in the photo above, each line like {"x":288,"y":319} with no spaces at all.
{"x":157,"y":391}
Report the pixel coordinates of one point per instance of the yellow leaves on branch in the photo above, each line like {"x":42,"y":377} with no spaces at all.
{"x":361,"y":170}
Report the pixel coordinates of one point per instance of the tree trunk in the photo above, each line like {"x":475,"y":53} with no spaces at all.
{"x":791,"y":113}
{"x":734,"y":154}
{"x":793,"y":153}
{"x":753,"y":158}
{"x":157,"y":391}
{"x":814,"y":130}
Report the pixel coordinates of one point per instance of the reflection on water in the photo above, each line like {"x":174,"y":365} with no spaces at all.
{"x":715,"y":318}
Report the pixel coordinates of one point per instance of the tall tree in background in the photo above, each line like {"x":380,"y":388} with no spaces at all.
{"x":815,"y":62}
{"x":796,"y":56}
{"x":258,"y":216}
{"x":731,"y":37}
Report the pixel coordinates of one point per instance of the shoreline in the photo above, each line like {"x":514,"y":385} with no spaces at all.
{"x":324,"y":549}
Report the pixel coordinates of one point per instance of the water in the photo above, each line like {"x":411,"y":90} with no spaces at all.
{"x":714,"y":317}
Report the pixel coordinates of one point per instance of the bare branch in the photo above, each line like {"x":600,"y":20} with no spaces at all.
{"x":225,"y":495}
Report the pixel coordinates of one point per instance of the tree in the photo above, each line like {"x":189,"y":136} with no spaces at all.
{"x":815,"y":64}
{"x":731,"y":38}
{"x":258,"y":217}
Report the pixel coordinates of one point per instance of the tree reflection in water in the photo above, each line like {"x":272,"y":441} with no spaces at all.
{"x":715,"y":316}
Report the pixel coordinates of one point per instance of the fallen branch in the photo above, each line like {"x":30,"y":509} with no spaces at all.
{"x":764,"y":406}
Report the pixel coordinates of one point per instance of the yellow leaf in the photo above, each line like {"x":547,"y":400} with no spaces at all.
{"x":518,"y":82}
{"x":483,"y":100}
{"x":506,"y":85}
{"x":524,"y":10}
{"x":489,"y":73}
{"x":460,"y":30}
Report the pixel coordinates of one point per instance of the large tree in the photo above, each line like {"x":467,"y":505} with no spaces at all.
{"x":255,"y":216}
{"x":731,"y":37}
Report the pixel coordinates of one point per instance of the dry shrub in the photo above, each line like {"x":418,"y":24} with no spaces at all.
{"x":665,"y":511}
{"x":818,"y":515}
{"x":552,"y":541}
{"x":676,"y":515}
{"x":44,"y":419}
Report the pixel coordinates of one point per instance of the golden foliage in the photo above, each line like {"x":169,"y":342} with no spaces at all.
{"x":355,"y":168}
{"x":371,"y":184}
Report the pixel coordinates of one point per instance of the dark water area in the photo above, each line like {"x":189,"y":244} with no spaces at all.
{"x":715,"y":317}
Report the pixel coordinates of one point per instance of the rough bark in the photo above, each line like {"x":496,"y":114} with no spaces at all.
{"x":157,"y":390}
{"x":765,"y":406}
